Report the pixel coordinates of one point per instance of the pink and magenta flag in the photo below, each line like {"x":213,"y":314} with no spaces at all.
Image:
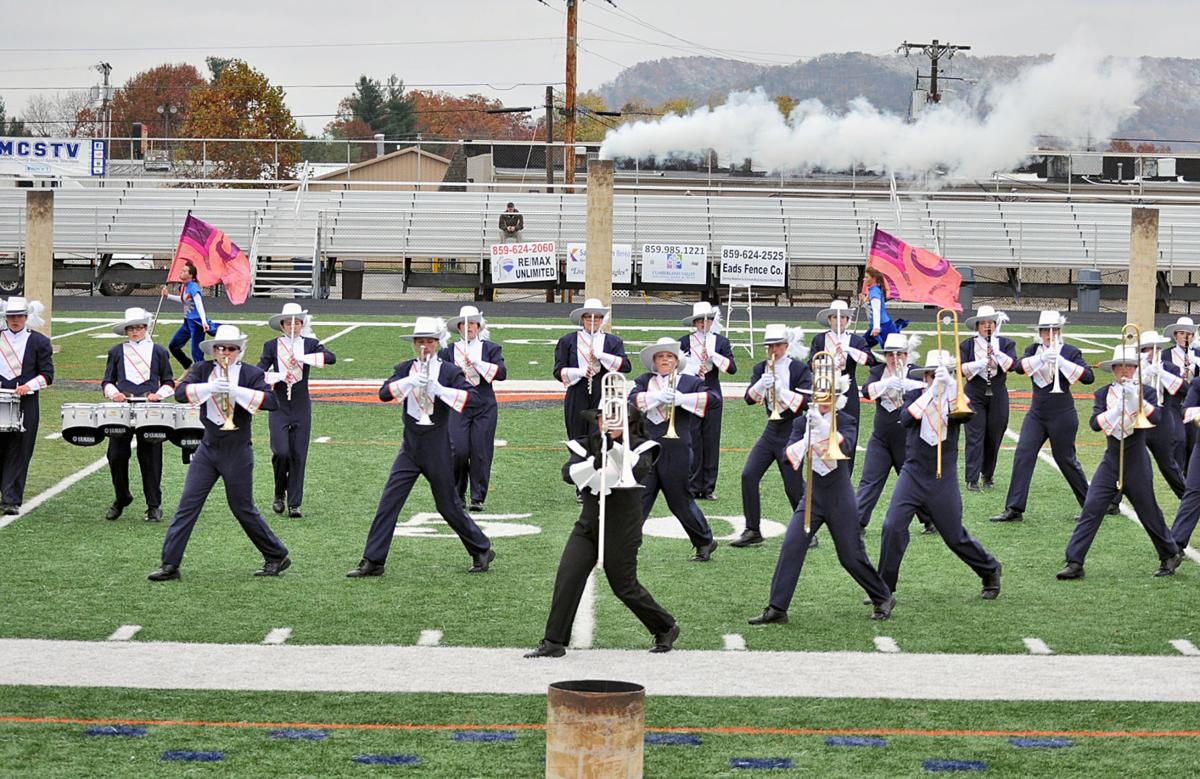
{"x":217,"y":259}
{"x":914,"y":274}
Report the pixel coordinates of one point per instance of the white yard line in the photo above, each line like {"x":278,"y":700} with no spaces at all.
{"x":62,"y":486}
{"x":277,"y":636}
{"x":84,"y":330}
{"x":734,"y":642}
{"x":583,"y":631}
{"x":53,"y":436}
{"x":430,"y":638}
{"x":340,"y":333}
{"x":125,"y":632}
{"x":324,"y":439}
{"x":1037,"y":646}
{"x":887,"y":645}
{"x":1185,"y":647}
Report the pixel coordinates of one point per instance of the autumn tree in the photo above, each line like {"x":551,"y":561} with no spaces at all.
{"x":785,"y":104}
{"x":138,"y":100}
{"x":60,"y":115}
{"x":1143,"y":147}
{"x":442,"y":115}
{"x":241,"y":103}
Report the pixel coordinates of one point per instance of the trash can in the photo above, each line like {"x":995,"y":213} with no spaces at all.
{"x":966,"y":293}
{"x":352,"y":279}
{"x":595,"y":728}
{"x":1088,"y":290}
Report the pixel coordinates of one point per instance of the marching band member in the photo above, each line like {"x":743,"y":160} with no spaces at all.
{"x":710,"y":355}
{"x":195,"y":322}
{"x":582,"y":358}
{"x":1186,"y":357}
{"x":138,"y":368}
{"x":429,"y":390}
{"x":931,"y":432}
{"x":622,"y":538}
{"x":287,"y":361}
{"x":669,"y":399}
{"x":986,"y":360}
{"x":1188,"y":512}
{"x":832,"y":505}
{"x":1164,"y":438}
{"x":776,"y":383}
{"x":1115,"y":409}
{"x":230,"y":392}
{"x":849,"y":349}
{"x":26,"y":366}
{"x":1052,"y":365}
{"x":473,"y":432}
{"x":886,"y":385}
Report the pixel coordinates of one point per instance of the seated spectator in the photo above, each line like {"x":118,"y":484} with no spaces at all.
{"x":512,"y":222}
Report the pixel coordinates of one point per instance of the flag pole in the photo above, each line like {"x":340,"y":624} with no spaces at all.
{"x":162,"y":297}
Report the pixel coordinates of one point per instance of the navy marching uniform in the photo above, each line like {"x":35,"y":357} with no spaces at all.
{"x":712,"y":353}
{"x":287,"y":360}
{"x":136,"y":369}
{"x":26,"y":360}
{"x":1185,"y":357}
{"x":1052,"y":416}
{"x":832,"y":505}
{"x":580,"y":351}
{"x":473,"y":432}
{"x":425,"y":452}
{"x":653,"y":397}
{"x":789,"y":381}
{"x":926,"y":418}
{"x":849,"y":349}
{"x":1188,"y":512}
{"x":986,"y":361}
{"x":886,"y":448}
{"x":1164,"y":439}
{"x":224,"y":454}
{"x":622,"y":539}
{"x":1114,"y":411}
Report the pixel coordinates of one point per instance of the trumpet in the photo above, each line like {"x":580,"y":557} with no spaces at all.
{"x":773,"y":394}
{"x":1057,"y":340}
{"x":674,"y":381}
{"x":614,"y":409}
{"x":824,"y":392}
{"x":226,"y":402}
{"x":961,"y":409}
{"x":424,"y":402}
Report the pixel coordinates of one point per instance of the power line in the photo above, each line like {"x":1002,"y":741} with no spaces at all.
{"x":236,"y":47}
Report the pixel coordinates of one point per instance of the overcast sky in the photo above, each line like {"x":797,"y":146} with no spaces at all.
{"x":510,"y":49}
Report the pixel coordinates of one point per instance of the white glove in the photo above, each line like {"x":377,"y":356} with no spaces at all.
{"x":221,"y":386}
{"x":654,"y":398}
{"x":942,"y":376}
{"x":574,"y":374}
{"x":896,"y":384}
{"x":814,"y":414}
{"x":273,"y":377}
{"x":420,"y":378}
{"x":434,"y":386}
{"x":1149,"y":372}
{"x":975,"y":367}
{"x":1194,"y":359}
{"x":763,"y":385}
{"x":669,"y":397}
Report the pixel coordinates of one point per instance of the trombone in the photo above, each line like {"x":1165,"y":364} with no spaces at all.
{"x":824,"y":391}
{"x":674,"y":380}
{"x":773,"y":394}
{"x":961,"y":409}
{"x":1131,"y":338}
{"x":614,"y":408}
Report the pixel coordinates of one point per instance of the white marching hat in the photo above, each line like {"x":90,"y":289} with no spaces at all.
{"x":133,"y":316}
{"x":17,"y":306}
{"x":895,"y":342}
{"x":839,"y":307}
{"x":465,"y":314}
{"x":934,"y":359}
{"x":1122,"y":355}
{"x":658,"y":347}
{"x":775,"y":334}
{"x":1184,"y":323}
{"x":590,"y":306}
{"x":290,"y":311}
{"x":1051,"y":319}
{"x":984,"y":313}
{"x":701,"y":310}
{"x":1151,"y":338}
{"x":427,"y":327}
{"x":227,"y":335}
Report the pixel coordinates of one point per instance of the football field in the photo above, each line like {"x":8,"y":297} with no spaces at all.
{"x":77,"y":582}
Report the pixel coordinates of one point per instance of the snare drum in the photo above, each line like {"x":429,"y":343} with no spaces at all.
{"x":188,"y":430}
{"x":10,"y":412}
{"x":113,"y":419}
{"x":152,"y":422}
{"x":79,"y":424}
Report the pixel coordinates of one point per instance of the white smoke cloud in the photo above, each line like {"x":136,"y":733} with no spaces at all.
{"x":1077,"y":95}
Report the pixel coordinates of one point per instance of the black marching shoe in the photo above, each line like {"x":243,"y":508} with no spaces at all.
{"x":704,"y":553}
{"x":664,"y":641}
{"x":991,"y":585}
{"x":165,"y":573}
{"x":10,"y":510}
{"x":274,"y":567}
{"x":482,"y":561}
{"x":153,"y":514}
{"x":812,"y":541}
{"x":709,"y":496}
{"x":277,"y":505}
{"x":1169,"y":564}
{"x":988,"y":484}
{"x":884,"y":610}
{"x":1113,"y":509}
{"x":547,"y":648}
{"x":294,"y":512}
{"x":747,"y":538}
{"x":770,"y":616}
{"x":973,"y":486}
{"x":929,"y":530}
{"x":114,"y":511}
{"x":1008,"y":515}
{"x":1071,"y":571}
{"x":476,"y":505}
{"x":365,"y":568}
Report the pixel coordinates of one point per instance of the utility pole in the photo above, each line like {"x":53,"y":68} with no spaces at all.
{"x":106,"y":102}
{"x":549,"y":139}
{"x":935,"y":51}
{"x":569,"y":120}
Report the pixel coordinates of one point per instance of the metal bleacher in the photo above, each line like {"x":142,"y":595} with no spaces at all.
{"x":288,"y":234}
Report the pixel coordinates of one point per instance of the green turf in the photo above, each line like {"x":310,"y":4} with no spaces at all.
{"x":63,"y":750}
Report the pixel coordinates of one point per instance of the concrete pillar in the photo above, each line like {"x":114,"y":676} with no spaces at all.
{"x":598,"y":274}
{"x":1143,"y":266}
{"x":39,"y":251}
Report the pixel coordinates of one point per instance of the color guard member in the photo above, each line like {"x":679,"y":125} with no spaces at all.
{"x":709,"y":355}
{"x":26,"y":366}
{"x":986,"y":360}
{"x":138,"y":368}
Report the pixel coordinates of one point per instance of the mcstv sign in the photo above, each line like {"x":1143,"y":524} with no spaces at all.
{"x":66,"y":157}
